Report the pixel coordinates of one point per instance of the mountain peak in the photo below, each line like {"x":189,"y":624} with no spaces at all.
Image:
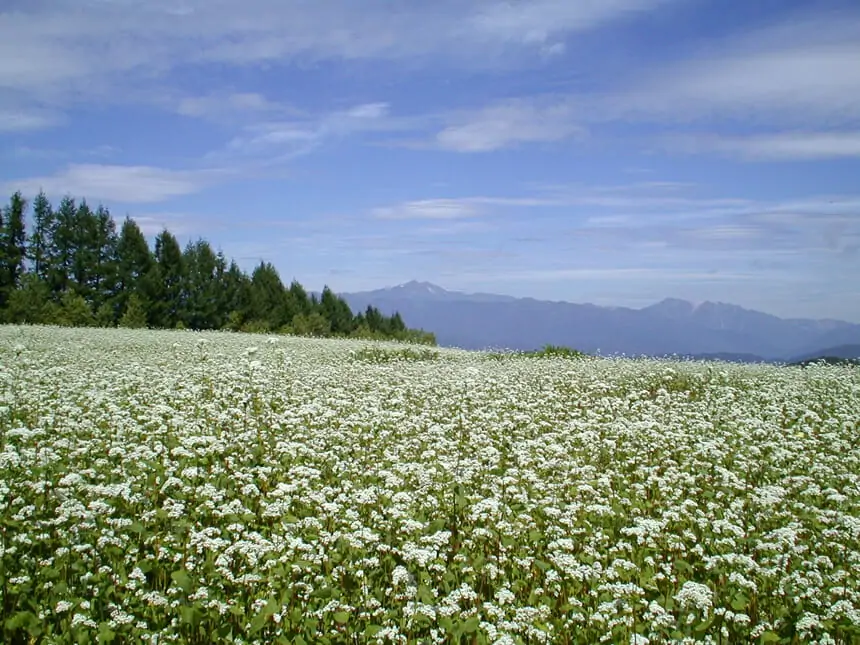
{"x":419,"y":288}
{"x":672,"y":307}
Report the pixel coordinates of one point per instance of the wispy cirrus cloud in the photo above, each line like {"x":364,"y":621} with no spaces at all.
{"x":656,"y":216}
{"x":127,"y":184}
{"x":783,"y":146}
{"x":70,"y":48}
{"x":510,"y":123}
{"x":429,"y":209}
{"x":454,"y":208}
{"x":283,"y":139}
{"x":800,"y":70}
{"x":778,"y":79}
{"x":26,"y":120}
{"x":665,"y":274}
{"x":227,"y":106}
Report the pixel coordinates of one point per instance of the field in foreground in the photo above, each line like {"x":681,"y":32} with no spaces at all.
{"x":196,"y":488}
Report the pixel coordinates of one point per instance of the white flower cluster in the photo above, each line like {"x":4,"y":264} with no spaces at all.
{"x":156,"y":486}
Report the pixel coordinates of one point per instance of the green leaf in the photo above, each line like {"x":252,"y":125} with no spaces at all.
{"x":372,"y":630}
{"x":703,"y":626}
{"x":740,"y":602}
{"x":258,"y":622}
{"x":182,"y":579}
{"x":447,"y":624}
{"x":471,"y":625}
{"x":190,"y":615}
{"x":341,"y":617}
{"x":770,"y":637}
{"x":322,"y":592}
{"x":425,"y":595}
{"x":272,"y":606}
{"x":436,"y":526}
{"x":21,"y":620}
{"x":311,"y":624}
{"x":106,"y":634}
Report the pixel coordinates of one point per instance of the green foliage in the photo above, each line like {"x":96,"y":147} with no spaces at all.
{"x":134,"y":262}
{"x":75,"y":269}
{"x":105,"y":315}
{"x":31,"y":302}
{"x":312,"y":324}
{"x":388,"y":355}
{"x":554,"y":351}
{"x":256,"y":327}
{"x":13,"y":249}
{"x":548,"y":351}
{"x":74,"y":311}
{"x":41,"y":250}
{"x":134,"y":316}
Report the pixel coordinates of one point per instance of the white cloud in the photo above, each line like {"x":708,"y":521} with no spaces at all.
{"x":177,"y":223}
{"x":26,"y":120}
{"x":801,"y":71}
{"x":784,"y":146}
{"x":457,"y":208}
{"x":433,"y":209}
{"x":117,"y":183}
{"x":624,"y":274}
{"x":280,"y":140}
{"x":221,"y":106}
{"x":797,"y":74}
{"x":510,"y":123}
{"x":541,"y":21}
{"x":73,"y":48}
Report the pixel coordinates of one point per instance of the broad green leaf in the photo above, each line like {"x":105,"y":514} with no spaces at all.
{"x":471,"y":625}
{"x":106,"y":634}
{"x":182,"y":579}
{"x":372,"y":630}
{"x":740,"y":602}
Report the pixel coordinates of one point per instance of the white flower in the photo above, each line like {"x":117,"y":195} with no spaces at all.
{"x":694,"y":594}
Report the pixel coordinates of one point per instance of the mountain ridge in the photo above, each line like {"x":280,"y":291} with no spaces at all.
{"x":671,"y":326}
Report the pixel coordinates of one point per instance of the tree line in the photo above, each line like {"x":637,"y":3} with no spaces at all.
{"x":72,"y":267}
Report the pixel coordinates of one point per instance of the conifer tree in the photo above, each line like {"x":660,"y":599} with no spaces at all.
{"x":13,"y":240}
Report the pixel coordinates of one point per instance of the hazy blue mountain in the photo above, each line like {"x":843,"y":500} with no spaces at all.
{"x":672,"y":326}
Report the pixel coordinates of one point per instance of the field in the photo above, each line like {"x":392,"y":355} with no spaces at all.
{"x":173,"y":487}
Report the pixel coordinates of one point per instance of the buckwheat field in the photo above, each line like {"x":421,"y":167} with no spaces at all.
{"x":174,"y":487}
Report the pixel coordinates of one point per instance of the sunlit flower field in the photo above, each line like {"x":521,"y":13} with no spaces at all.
{"x":176,"y":487}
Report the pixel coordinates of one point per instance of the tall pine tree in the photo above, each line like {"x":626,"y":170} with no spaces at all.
{"x":13,"y":240}
{"x":134,"y":261}
{"x":164,"y":282}
{"x":41,"y":249}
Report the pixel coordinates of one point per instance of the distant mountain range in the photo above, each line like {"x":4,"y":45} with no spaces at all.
{"x":670,"y":327}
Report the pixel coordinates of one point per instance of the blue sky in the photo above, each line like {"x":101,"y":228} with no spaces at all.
{"x":607,"y":151}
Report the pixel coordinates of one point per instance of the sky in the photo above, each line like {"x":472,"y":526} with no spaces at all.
{"x":608,"y":151}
